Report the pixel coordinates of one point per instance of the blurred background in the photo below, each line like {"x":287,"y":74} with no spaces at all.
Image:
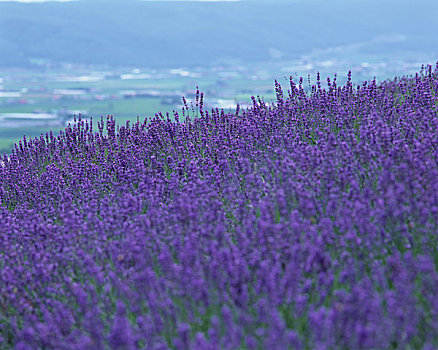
{"x":130,"y":58}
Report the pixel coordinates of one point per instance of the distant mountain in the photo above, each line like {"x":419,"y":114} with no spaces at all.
{"x":163,"y":34}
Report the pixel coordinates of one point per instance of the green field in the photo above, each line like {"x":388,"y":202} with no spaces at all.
{"x":214,"y":85}
{"x":122,"y":110}
{"x":10,"y":136}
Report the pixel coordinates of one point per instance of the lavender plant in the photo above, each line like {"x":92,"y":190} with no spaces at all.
{"x":307,"y":224}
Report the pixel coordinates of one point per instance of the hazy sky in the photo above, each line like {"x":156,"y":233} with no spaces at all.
{"x":35,"y":0}
{"x":31,"y":1}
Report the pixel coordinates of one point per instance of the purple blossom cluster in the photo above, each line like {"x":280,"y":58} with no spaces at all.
{"x":310,"y":223}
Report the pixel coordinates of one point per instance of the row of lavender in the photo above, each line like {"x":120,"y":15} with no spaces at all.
{"x":307,"y":224}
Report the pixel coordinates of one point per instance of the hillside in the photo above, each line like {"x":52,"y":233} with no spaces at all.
{"x":169,"y":34}
{"x":306,"y":224}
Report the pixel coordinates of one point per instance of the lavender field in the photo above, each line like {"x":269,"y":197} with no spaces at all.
{"x":308,"y":223}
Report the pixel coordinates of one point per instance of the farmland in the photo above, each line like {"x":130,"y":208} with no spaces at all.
{"x":126,"y":93}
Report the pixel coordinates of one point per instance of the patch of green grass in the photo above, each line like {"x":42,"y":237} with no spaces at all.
{"x":6,"y":145}
{"x":122,"y":110}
